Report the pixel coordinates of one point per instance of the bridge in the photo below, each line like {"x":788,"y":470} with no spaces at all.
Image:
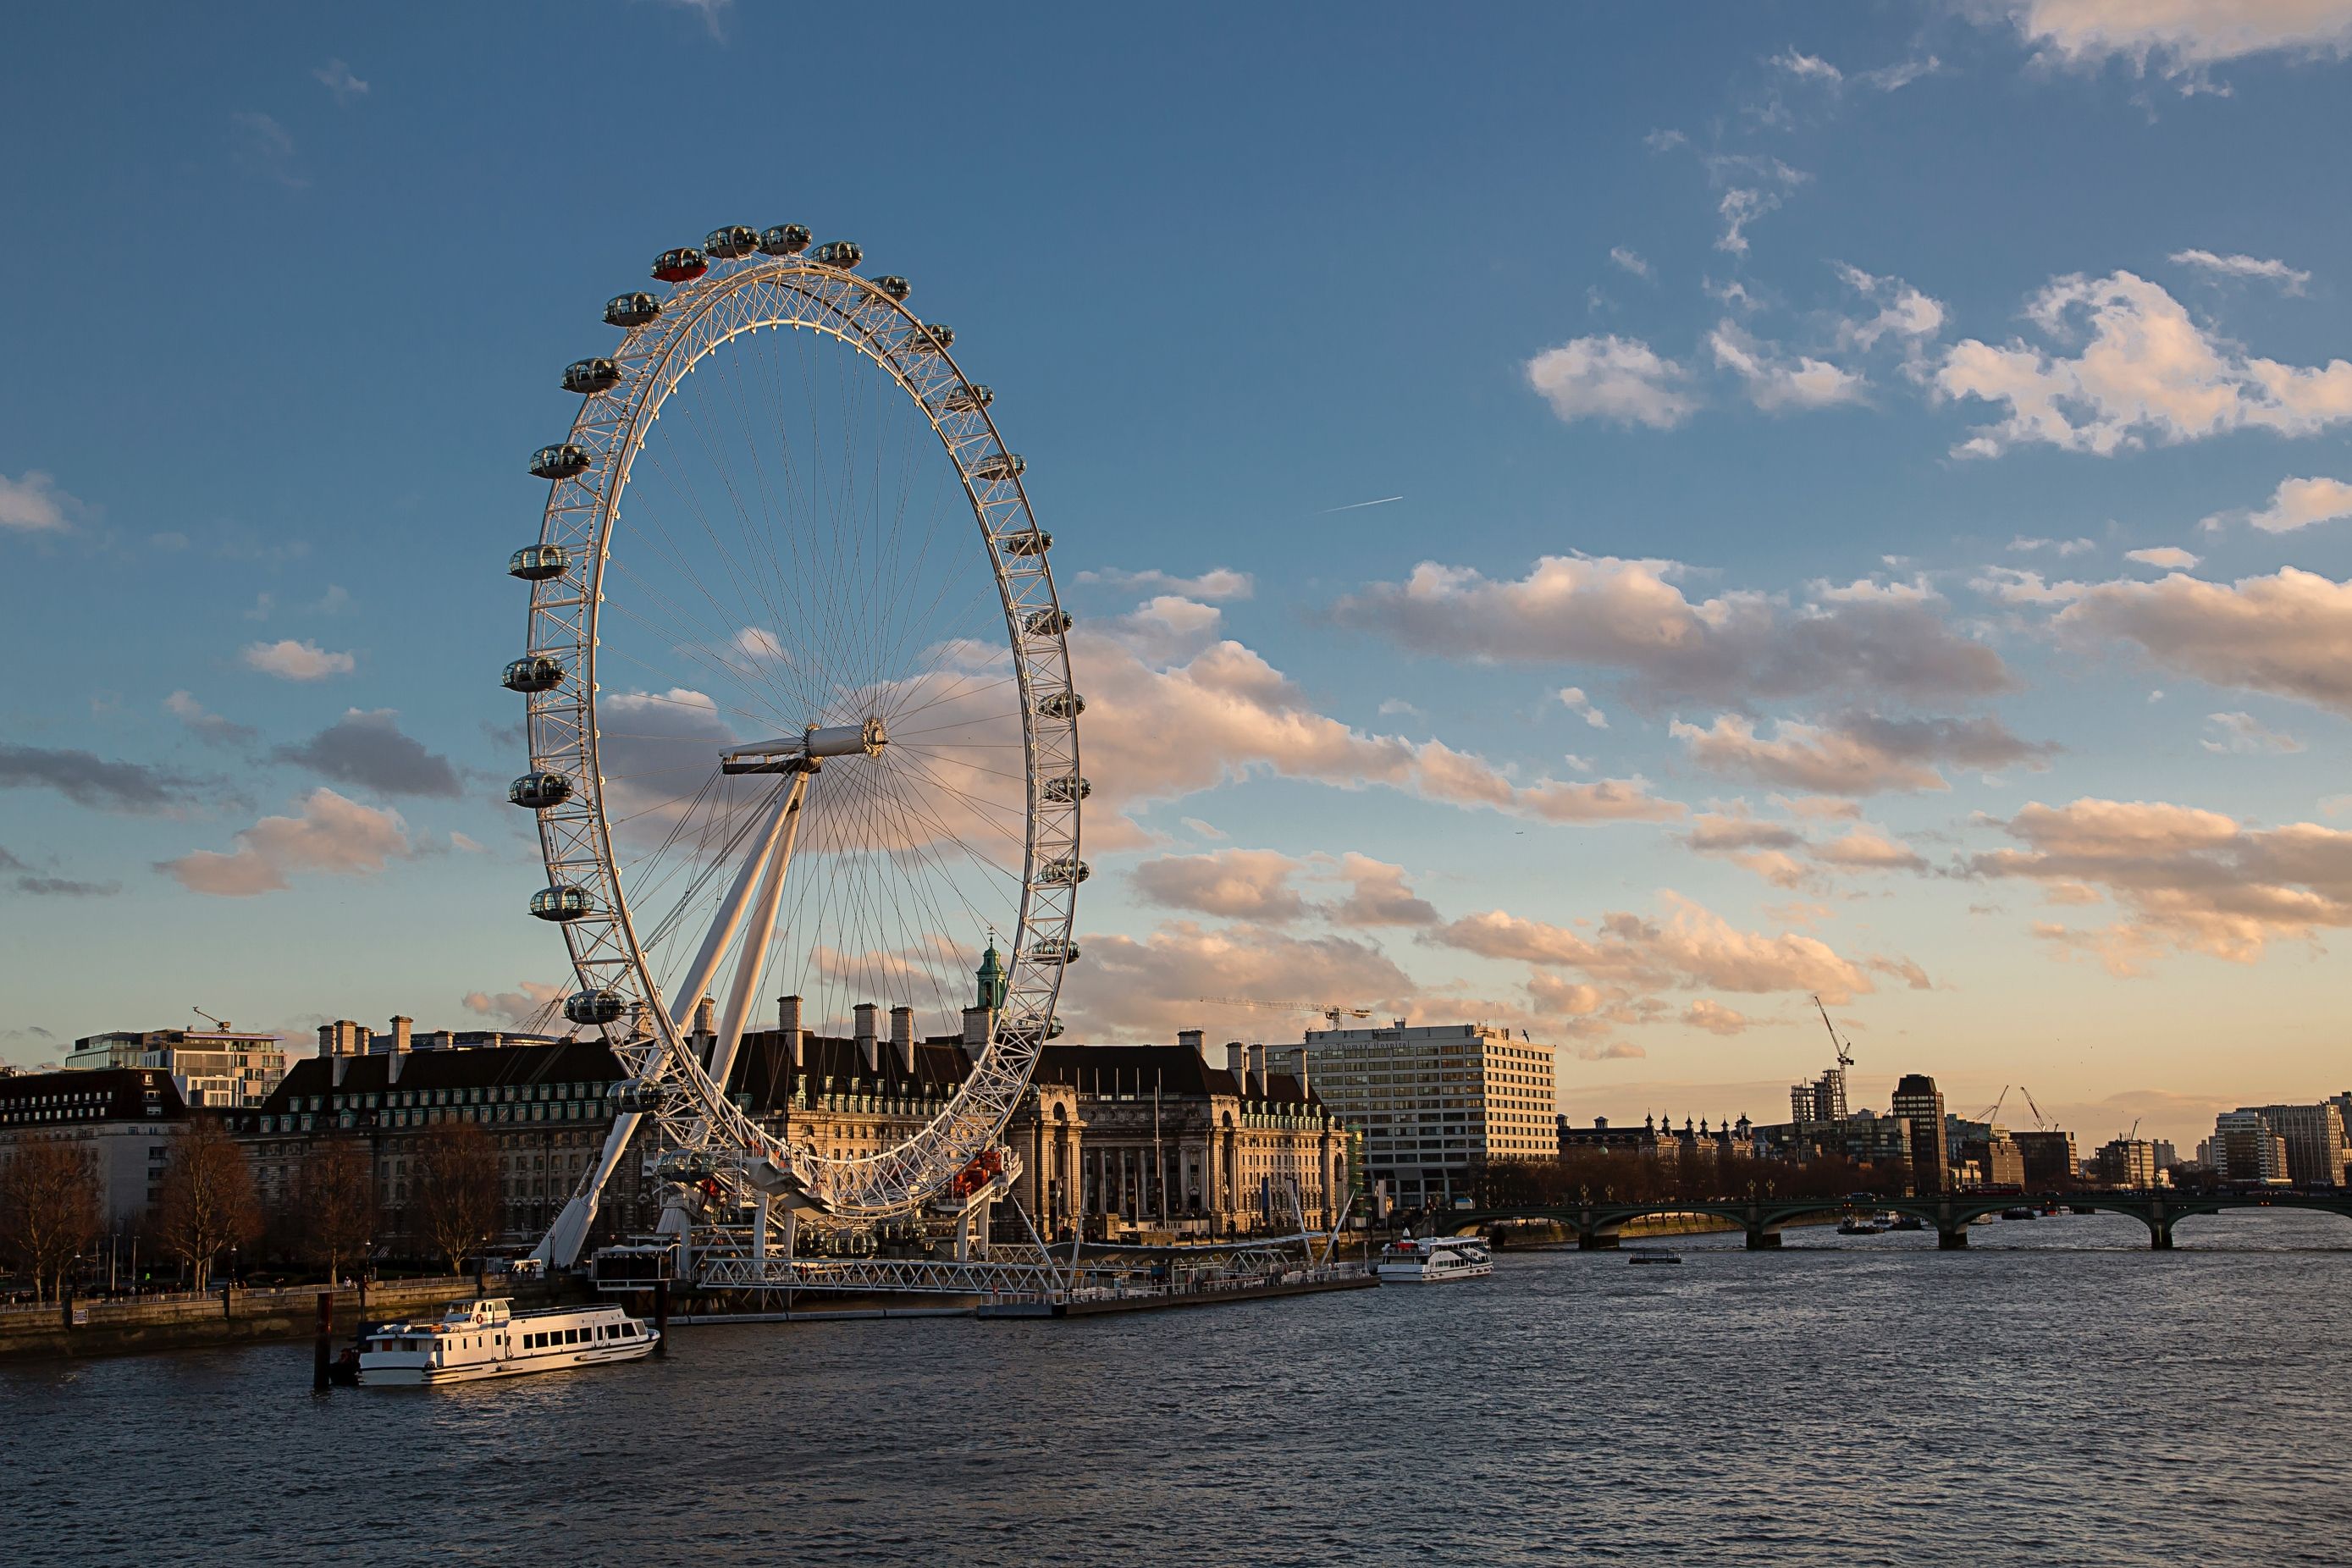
{"x":1597,"y":1224}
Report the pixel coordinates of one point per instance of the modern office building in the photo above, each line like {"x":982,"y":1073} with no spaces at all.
{"x":2051,"y":1162}
{"x":1920,"y":1104}
{"x":218,"y":1068}
{"x":2128,"y":1163}
{"x":2315,"y":1151}
{"x":2245,"y":1149}
{"x":1437,"y":1101}
{"x":1822,"y":1100}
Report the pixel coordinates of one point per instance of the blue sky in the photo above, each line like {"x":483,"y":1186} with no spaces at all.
{"x":1782,"y":334}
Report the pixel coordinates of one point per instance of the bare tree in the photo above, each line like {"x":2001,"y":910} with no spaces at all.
{"x":48,"y":1208}
{"x":338,"y":1200}
{"x":208,"y":1198}
{"x":455,"y":1192}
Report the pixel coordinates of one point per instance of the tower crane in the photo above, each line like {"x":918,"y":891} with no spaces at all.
{"x":220,"y":1023}
{"x":1331,"y":1011}
{"x":1994,"y":1114}
{"x":2041,"y":1122}
{"x":1844,"y":1050}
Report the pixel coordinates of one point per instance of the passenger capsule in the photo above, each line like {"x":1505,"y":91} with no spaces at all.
{"x":1035,"y":543}
{"x":1047,"y":623}
{"x":733,"y":241}
{"x":1061,"y":705}
{"x":630,"y":310}
{"x":999,"y":466}
{"x":687,"y":1167}
{"x":635,"y":1098}
{"x":784,"y":239}
{"x":558,"y":462}
{"x":538,"y":791}
{"x":1067,"y":790}
{"x":970,"y":399}
{"x":538,"y":563}
{"x":560,"y":902}
{"x":931,"y":335}
{"x":1064,"y":873}
{"x":898,"y":288}
{"x":533,"y":672}
{"x":590,"y":376}
{"x":1054,"y":952}
{"x":683,"y":265}
{"x":593,"y":1006}
{"x":841,"y":253}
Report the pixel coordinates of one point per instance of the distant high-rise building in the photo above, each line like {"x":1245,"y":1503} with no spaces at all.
{"x":1437,"y":1101}
{"x":2315,"y":1140}
{"x":2245,"y":1149}
{"x":2125,"y":1163}
{"x":1823,"y":1100}
{"x":1918,"y":1102}
{"x":2049,"y":1156}
{"x":2166,"y":1156}
{"x":220,"y":1068}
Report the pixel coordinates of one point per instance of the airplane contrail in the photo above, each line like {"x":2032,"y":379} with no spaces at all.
{"x":1353,"y":505}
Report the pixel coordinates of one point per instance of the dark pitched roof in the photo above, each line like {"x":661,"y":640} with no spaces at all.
{"x":574,"y":1061}
{"x":763,"y":1069}
{"x":1136,"y":1069}
{"x":97,"y":1094}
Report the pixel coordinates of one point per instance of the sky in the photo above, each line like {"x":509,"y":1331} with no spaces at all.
{"x":1612,"y":523}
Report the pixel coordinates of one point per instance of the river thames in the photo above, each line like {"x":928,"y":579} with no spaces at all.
{"x":2056,"y":1395}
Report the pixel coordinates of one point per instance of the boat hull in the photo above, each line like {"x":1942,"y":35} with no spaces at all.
{"x":399,"y":1369}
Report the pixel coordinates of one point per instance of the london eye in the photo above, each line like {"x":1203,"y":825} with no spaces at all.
{"x":801,"y":721}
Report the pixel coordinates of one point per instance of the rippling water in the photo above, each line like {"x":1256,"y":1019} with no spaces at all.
{"x":2057,"y":1395}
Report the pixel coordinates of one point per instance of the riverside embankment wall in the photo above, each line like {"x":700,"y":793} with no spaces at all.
{"x":179,"y":1322}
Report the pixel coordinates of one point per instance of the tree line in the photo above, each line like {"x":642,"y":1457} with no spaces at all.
{"x":52,"y":1203}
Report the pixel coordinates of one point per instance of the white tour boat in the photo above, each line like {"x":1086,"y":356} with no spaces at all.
{"x":476,"y":1340}
{"x":1428,"y":1259}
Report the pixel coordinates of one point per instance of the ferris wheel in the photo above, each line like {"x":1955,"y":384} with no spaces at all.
{"x":800,"y":713}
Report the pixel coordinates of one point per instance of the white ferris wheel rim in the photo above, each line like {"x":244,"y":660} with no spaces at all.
{"x":756,"y":292}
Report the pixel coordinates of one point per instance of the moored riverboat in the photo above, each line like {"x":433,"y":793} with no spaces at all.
{"x":1433,"y":1259}
{"x":477,"y":1340}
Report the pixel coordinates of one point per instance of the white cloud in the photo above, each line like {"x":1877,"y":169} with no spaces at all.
{"x":2245,"y":735}
{"x":1716,"y":1018}
{"x":337,"y":78}
{"x":1622,"y":380}
{"x":1148,"y":988}
{"x":2289,"y":633}
{"x":2145,"y":370}
{"x":1199,"y":829}
{"x":2288,"y":279}
{"x":1219,"y":582}
{"x":1629,"y":615}
{"x":266,"y":149}
{"x":2064,"y":547}
{"x":1396,"y":707}
{"x":2167,"y":557}
{"x":208,"y":726}
{"x":334,"y":835}
{"x":34,"y":504}
{"x":1161,"y":730}
{"x":1574,"y":699}
{"x":2186,"y":879}
{"x":1806,"y":68}
{"x":1778,"y":381}
{"x":1856,"y":753}
{"x":1900,"y":74}
{"x":2013,"y":585}
{"x":1378,"y":895}
{"x":292,"y":660}
{"x":1628,"y":260}
{"x":1235,"y":884}
{"x":2176,"y":38}
{"x":1752,"y":186}
{"x":517,"y":1007}
{"x":2296,"y":504}
{"x":1904,"y":314}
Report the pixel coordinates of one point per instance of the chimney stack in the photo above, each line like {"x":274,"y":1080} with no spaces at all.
{"x":1302,"y":1072}
{"x":1238,"y":1062}
{"x":869,"y":1048}
{"x":975,"y":1028}
{"x":343,"y":1039}
{"x":401,"y":1029}
{"x":705,"y":1012}
{"x":1257,"y":1072}
{"x":902,"y":1038}
{"x":392,"y":1068}
{"x":788,"y":1023}
{"x":1189,"y":1040}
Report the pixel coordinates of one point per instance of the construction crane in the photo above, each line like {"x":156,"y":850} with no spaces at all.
{"x":1845,"y":1051}
{"x":220,"y":1023}
{"x":1331,"y":1011}
{"x":2041,"y":1122}
{"x":1994,"y":1114}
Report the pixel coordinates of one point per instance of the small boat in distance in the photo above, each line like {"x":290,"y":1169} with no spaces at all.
{"x":1430,"y":1259}
{"x":1655,"y":1258}
{"x":477,"y":1340}
{"x":2023,"y":1211}
{"x":1908,"y":1221}
{"x":1860,"y":1225}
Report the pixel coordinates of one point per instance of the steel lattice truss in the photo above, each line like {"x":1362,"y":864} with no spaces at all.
{"x":669,"y":1082}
